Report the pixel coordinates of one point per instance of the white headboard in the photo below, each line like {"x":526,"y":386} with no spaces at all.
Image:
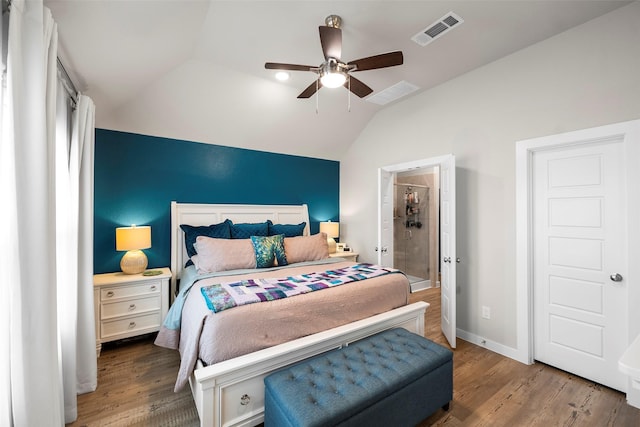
{"x":204,"y":214}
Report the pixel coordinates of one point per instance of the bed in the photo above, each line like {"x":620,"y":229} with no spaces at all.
{"x":226,"y":355}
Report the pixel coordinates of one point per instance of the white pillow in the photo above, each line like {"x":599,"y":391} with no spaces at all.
{"x":223,"y":254}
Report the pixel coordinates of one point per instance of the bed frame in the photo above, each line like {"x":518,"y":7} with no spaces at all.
{"x":231,"y":393}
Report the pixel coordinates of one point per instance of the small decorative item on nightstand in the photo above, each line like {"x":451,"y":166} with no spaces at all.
{"x":128,"y":305}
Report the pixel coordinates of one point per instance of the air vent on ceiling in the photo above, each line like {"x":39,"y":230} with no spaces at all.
{"x":437,"y":29}
{"x":392,"y":93}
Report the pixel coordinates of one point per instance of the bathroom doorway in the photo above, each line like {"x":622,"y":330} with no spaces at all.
{"x":415,"y":226}
{"x":443,"y":231}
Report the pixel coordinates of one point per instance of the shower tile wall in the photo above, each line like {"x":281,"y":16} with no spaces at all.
{"x":415,"y":248}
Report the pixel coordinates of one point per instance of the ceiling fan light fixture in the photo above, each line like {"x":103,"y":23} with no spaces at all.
{"x":333,"y":80}
{"x":332,"y":74}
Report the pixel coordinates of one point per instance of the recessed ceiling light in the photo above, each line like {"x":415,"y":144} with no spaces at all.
{"x":282,"y":76}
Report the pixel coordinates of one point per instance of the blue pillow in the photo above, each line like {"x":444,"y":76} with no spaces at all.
{"x":191,"y":232}
{"x":246,"y":230}
{"x":268,"y":249}
{"x":289,"y":230}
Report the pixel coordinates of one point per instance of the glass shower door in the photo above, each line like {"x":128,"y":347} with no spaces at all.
{"x":411,"y":233}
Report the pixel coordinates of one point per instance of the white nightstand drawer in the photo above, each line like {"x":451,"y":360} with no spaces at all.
{"x":132,"y":306}
{"x":131,"y":325}
{"x":124,"y":291}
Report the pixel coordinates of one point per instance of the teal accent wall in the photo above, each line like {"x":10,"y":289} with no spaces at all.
{"x":137,"y":177}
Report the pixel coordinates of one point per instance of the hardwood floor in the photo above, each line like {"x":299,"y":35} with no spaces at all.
{"x":135,"y":388}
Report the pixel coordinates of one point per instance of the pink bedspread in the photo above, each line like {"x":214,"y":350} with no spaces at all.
{"x":215,"y":337}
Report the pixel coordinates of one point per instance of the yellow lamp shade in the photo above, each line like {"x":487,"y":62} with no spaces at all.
{"x":331,"y":229}
{"x":132,"y":239}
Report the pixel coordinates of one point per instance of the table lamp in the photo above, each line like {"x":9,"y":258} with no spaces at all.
{"x":332,"y":230}
{"x":133,"y":239}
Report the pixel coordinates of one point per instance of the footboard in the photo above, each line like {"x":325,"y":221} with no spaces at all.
{"x":231,"y":393}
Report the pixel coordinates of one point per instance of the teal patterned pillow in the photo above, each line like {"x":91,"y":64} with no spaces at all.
{"x":268,"y":249}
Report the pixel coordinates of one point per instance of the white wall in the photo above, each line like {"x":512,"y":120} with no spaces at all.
{"x":585,"y":77}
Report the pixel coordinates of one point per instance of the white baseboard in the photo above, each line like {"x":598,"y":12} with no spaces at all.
{"x":501,"y":349}
{"x":422,"y":285}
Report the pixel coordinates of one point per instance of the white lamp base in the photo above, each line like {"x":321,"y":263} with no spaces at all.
{"x":133,"y":262}
{"x":332,"y":245}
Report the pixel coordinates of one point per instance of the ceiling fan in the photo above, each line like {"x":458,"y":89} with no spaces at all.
{"x":333,"y":72}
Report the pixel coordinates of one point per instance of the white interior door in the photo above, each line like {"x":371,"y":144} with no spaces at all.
{"x":385,"y":218}
{"x":579,"y":260}
{"x":448,"y":248}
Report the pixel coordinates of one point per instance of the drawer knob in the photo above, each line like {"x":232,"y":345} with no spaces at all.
{"x":132,"y":325}
{"x":245,"y":399}
{"x":109,"y":294}
{"x":132,"y":307}
{"x":153,"y":287}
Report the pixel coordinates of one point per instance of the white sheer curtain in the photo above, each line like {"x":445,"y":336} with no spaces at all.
{"x":6,"y":257}
{"x":82,"y":145}
{"x":75,"y":272}
{"x":47,"y":353}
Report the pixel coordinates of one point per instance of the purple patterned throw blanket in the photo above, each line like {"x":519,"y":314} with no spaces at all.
{"x":223,"y":296}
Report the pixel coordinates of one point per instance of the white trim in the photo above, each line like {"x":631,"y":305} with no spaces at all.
{"x":496,"y":347}
{"x":417,"y":164}
{"x":524,"y":152}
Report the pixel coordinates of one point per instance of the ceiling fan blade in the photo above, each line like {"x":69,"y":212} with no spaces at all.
{"x":311,"y":89}
{"x":357,"y":87}
{"x":290,"y":67}
{"x":378,"y":61}
{"x":331,"y":41}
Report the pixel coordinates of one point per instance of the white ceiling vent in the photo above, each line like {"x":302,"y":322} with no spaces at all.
{"x":437,"y":29}
{"x":392,"y":93}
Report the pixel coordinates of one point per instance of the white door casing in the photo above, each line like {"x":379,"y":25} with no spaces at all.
{"x":447,"y":181}
{"x":579,"y":231}
{"x":629,"y":132}
{"x":385,"y":218}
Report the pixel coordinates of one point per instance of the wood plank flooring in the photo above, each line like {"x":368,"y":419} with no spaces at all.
{"x":135,"y":388}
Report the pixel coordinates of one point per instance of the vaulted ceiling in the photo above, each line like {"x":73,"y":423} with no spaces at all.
{"x":194,"y":69}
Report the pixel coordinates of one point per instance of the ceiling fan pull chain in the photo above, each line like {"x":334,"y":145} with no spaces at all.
{"x":349,"y":96}
{"x":317,"y":95}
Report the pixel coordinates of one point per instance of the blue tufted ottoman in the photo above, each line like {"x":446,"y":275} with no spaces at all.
{"x":393,"y":378}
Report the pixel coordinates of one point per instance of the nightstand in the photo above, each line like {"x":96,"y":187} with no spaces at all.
{"x":127,"y":305}
{"x":349,"y":256}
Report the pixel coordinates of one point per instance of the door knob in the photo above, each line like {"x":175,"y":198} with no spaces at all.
{"x":458,"y":260}
{"x":616,"y":277}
